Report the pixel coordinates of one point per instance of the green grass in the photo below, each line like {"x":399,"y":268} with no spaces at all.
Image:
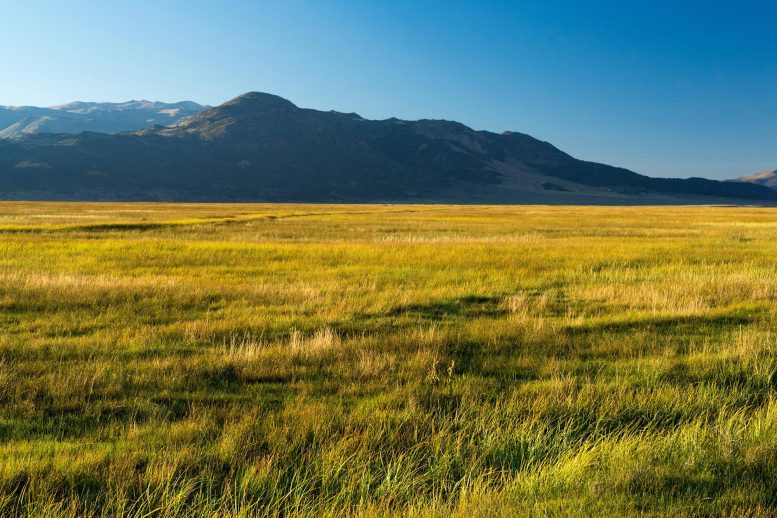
{"x":242,"y":360}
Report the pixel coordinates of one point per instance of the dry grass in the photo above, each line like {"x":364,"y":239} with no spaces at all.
{"x":241,"y":360}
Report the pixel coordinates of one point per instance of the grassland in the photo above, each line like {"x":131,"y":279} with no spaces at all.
{"x":241,"y":360}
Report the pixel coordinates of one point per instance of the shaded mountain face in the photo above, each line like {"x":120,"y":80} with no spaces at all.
{"x":98,"y":117}
{"x":765,"y":178}
{"x":260,"y":147}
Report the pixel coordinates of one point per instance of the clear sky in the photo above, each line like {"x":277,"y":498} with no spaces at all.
{"x":666,"y":88}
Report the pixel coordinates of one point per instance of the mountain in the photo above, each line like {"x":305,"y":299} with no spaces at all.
{"x":260,"y":147}
{"x":765,"y":178}
{"x":98,"y":117}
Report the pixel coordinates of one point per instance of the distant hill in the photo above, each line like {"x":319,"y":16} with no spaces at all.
{"x":76,"y":117}
{"x":260,"y":147}
{"x":765,"y":178}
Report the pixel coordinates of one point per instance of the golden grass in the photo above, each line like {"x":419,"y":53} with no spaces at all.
{"x":325,"y":360}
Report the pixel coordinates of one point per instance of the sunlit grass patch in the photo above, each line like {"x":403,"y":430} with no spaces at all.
{"x":252,"y":360}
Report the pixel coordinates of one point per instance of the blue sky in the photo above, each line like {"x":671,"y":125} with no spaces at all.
{"x":663,"y":88}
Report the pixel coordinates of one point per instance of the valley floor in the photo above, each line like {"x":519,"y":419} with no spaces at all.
{"x":241,"y":360}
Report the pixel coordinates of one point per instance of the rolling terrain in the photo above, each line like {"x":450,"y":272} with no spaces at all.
{"x":383,"y":360}
{"x":260,"y":147}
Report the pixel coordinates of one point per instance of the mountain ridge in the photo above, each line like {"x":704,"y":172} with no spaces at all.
{"x":262,"y":147}
{"x":764,"y":178}
{"x":101,"y":117}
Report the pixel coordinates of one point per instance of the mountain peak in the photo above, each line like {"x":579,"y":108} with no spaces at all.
{"x":260,"y":100}
{"x":759,"y":176}
{"x":250,"y":112}
{"x":765,"y":178}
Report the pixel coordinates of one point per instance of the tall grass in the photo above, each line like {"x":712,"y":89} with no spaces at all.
{"x":260,"y":360}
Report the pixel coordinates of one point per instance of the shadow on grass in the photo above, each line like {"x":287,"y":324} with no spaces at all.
{"x":645,"y":485}
{"x":470,"y":306}
{"x":683,"y":324}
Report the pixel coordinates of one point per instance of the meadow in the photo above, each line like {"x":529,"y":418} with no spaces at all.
{"x":382,"y":360}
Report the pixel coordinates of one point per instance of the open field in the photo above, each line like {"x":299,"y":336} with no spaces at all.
{"x":241,"y":360}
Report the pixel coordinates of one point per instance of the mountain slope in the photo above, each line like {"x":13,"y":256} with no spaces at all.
{"x":765,"y":178}
{"x":260,"y":147}
{"x":98,"y":117}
